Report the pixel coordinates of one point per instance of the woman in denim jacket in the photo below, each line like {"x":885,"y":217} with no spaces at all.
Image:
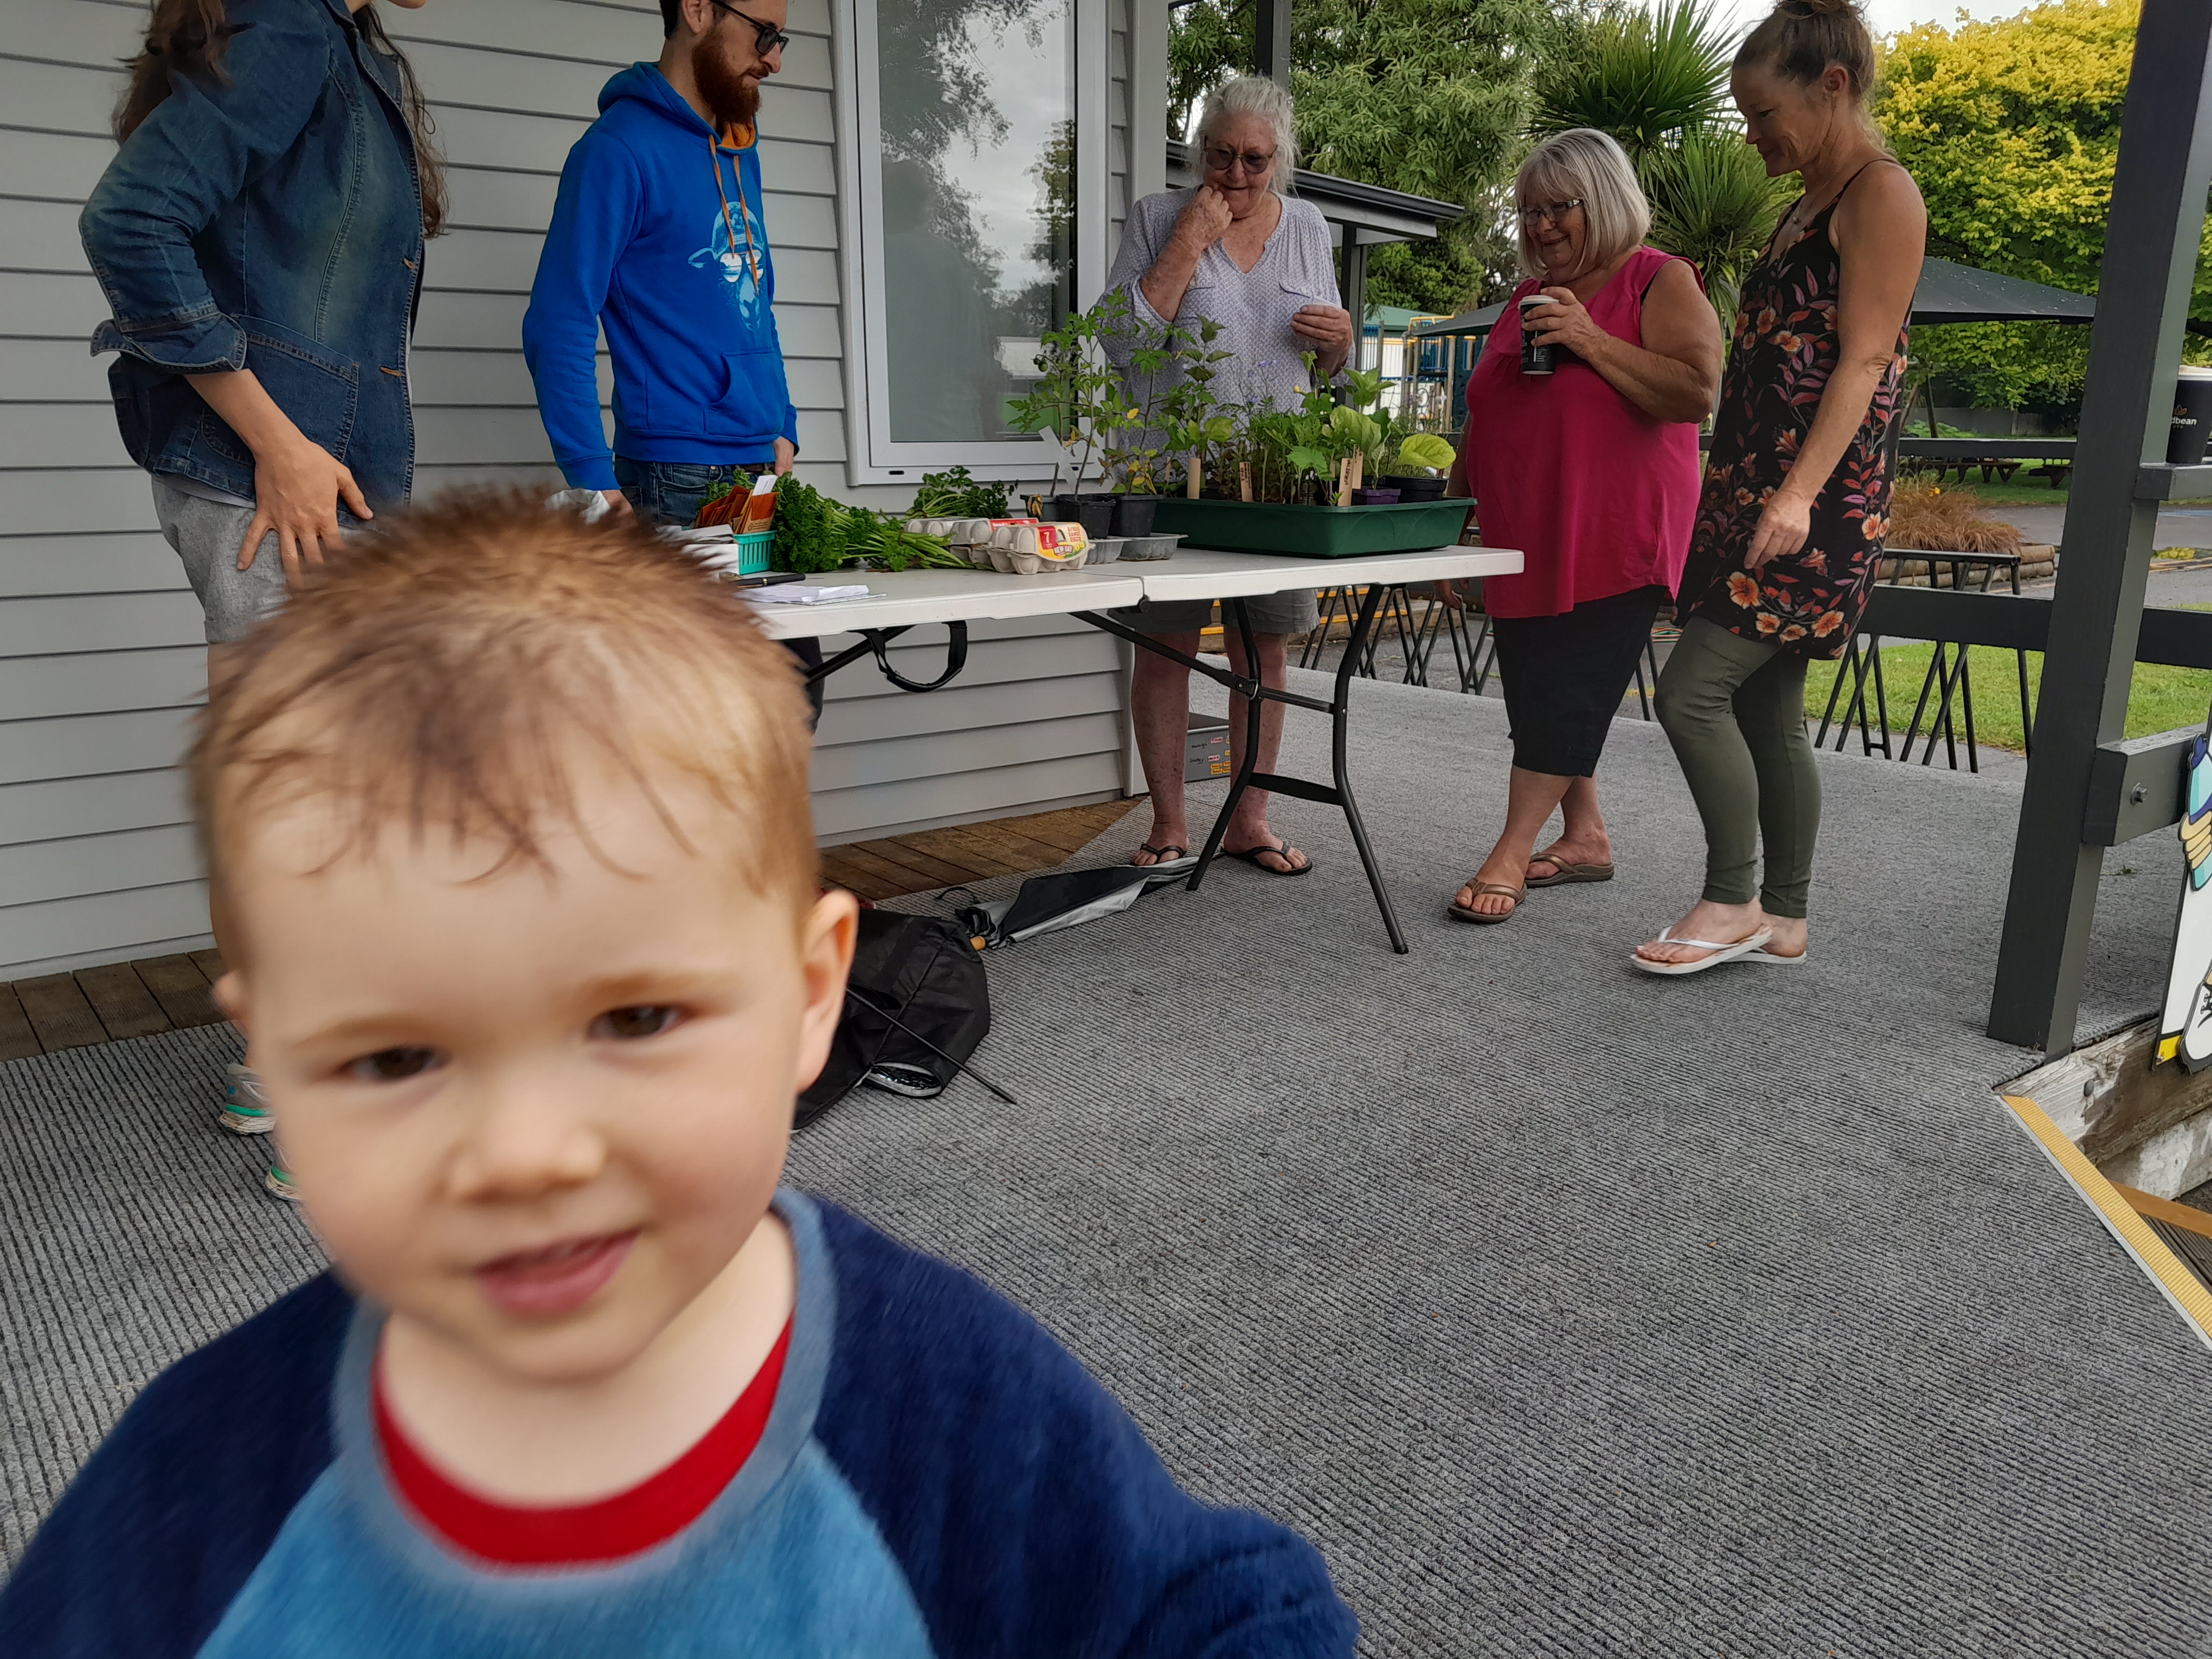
{"x":260,"y":238}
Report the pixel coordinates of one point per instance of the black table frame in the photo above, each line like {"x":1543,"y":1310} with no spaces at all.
{"x":1338,"y":707}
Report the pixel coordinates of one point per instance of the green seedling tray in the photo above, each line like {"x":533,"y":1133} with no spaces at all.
{"x":1312,"y":532}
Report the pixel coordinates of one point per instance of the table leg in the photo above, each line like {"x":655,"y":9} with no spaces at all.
{"x":1339,"y":715}
{"x":1249,"y":767}
{"x":1249,"y":776}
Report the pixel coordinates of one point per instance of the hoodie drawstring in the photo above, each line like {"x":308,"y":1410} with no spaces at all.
{"x":714,"y":158}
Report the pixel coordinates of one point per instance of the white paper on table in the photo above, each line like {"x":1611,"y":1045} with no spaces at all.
{"x":799,"y":593}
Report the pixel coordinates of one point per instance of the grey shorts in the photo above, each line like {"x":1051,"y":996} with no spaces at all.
{"x":205,"y":535}
{"x":1272,"y":613}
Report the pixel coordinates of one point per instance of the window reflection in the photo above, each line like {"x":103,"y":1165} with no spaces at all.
{"x":978,"y":194}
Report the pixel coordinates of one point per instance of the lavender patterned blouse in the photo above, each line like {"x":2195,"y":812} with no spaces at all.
{"x":1296,"y":268}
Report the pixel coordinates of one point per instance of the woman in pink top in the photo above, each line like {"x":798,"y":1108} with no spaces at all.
{"x":1592,"y":471}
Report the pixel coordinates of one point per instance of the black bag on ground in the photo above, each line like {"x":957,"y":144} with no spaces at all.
{"x":916,"y":1004}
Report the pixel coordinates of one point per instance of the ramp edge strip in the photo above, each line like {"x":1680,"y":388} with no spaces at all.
{"x":2175,"y":1282}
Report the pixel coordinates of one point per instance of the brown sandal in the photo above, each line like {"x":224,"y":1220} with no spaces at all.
{"x":1566,"y":871}
{"x":1459,"y":912}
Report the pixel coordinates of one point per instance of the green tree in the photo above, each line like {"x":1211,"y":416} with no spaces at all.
{"x":2011,"y":130}
{"x":1428,"y":96}
{"x":1657,"y":81}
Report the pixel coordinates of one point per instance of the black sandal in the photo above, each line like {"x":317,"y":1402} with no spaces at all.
{"x":1160,"y":858}
{"x":1282,"y":849}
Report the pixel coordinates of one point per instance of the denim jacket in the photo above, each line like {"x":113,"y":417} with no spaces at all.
{"x":267,"y":218}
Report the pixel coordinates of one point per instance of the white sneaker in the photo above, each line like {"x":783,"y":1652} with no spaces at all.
{"x":245,"y":1109}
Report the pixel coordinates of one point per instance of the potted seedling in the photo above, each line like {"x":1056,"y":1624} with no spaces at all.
{"x":1417,"y":466}
{"x":1076,"y":403}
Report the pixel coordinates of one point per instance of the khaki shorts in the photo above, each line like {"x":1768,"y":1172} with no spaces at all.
{"x":1272,"y":613}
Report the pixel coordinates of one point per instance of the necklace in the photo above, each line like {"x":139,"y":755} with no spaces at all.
{"x":752,"y":258}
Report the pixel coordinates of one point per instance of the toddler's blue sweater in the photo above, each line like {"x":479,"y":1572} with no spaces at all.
{"x":938,"y":1478}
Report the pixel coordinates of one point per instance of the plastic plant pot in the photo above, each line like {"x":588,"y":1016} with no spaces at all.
{"x":1412,"y":487}
{"x":1094,"y":513}
{"x":1134,"y":515}
{"x":1373,"y":498}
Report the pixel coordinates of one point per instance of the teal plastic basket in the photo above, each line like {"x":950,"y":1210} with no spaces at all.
{"x":754,"y":551}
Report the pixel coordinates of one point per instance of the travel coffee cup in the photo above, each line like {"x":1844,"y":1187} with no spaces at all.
{"x":1535,"y":359}
{"x":2192,"y":417}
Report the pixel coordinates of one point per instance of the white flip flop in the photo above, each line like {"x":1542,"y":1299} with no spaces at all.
{"x":1732,"y":951}
{"x":1772,"y":961}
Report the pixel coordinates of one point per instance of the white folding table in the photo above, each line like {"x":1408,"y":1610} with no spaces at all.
{"x":899,"y":600}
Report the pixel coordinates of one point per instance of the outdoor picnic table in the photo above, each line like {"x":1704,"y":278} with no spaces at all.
{"x":897,"y":601}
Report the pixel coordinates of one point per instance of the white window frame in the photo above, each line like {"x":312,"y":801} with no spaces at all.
{"x":873,"y":456}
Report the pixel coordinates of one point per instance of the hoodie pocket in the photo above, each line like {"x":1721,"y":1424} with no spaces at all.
{"x":753,"y":397}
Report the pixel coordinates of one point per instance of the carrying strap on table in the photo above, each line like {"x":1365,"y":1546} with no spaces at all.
{"x":956,"y":657}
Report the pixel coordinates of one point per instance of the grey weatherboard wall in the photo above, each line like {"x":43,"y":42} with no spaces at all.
{"x":101,"y":663}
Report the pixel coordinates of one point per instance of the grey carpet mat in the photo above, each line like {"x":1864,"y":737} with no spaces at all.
{"x":1570,"y":1311}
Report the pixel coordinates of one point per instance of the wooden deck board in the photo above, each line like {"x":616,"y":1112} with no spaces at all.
{"x":123,"y":1005}
{"x":102,"y":1004}
{"x":927,"y":869}
{"x":1019,"y":850}
{"x":952,"y":844}
{"x":58,"y":1012}
{"x":1065,"y":831}
{"x":883,"y":879}
{"x":17,"y":1040}
{"x":181,"y":989}
{"x":852,"y":878}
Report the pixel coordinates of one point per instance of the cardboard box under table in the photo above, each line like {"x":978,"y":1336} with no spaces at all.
{"x":901,"y":600}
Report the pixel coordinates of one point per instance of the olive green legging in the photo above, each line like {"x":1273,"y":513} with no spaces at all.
{"x":1734,"y":709}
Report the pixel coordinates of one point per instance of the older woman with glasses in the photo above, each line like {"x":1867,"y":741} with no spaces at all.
{"x":1239,"y":252}
{"x":1588,"y":463}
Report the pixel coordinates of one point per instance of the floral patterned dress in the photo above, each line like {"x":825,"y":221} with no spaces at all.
{"x":1785,"y":347}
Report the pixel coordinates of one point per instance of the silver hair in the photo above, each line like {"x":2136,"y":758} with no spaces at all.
{"x":1583,"y":162}
{"x":1255,"y":94}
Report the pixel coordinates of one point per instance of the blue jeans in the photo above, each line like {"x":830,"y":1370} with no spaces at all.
{"x":672,"y":492}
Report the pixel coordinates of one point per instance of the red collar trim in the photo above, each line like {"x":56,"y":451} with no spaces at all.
{"x":607,"y":1529}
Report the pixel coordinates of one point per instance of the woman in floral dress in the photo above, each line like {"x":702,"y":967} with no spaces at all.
{"x":1797,"y":493}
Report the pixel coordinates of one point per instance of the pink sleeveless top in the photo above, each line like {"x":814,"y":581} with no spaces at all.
{"x":1600,"y":496}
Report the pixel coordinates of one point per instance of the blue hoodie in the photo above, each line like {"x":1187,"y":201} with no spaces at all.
{"x":639,"y":242}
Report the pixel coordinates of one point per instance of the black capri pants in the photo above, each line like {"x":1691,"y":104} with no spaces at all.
{"x":1564,"y":677}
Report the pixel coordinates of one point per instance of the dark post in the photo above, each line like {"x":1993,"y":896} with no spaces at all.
{"x":2151,"y":240}
{"x":1355,"y":294}
{"x":1272,"y":49}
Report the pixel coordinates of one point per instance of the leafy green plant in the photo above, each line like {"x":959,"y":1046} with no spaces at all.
{"x":956,"y":494}
{"x":1077,"y":396}
{"x":1426,"y":451}
{"x":814,"y":533}
{"x":1712,"y":202}
{"x":1656,"y":81}
{"x":1646,"y":78}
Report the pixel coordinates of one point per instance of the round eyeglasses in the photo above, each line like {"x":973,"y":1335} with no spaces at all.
{"x":1555,"y":211}
{"x":1222,"y":159}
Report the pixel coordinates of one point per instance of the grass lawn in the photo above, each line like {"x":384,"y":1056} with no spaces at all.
{"x":2161,"y":698}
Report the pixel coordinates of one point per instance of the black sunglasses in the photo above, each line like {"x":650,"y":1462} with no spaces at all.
{"x":767,"y":38}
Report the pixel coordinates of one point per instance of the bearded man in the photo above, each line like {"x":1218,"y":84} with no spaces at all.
{"x":657,"y":233}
